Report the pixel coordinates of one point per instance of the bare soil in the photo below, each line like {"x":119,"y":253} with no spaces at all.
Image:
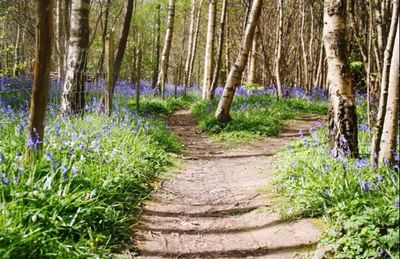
{"x":217,"y":206}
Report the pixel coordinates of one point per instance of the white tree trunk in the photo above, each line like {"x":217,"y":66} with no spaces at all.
{"x":209,"y":55}
{"x":235,"y":75}
{"x":73,"y":101}
{"x":342,"y":109}
{"x":391,"y":126}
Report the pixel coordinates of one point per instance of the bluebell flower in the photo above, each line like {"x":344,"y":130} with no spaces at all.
{"x":396,"y":202}
{"x":364,"y":185}
{"x":327,"y":192}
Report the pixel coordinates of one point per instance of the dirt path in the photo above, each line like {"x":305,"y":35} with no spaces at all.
{"x":216,"y":206}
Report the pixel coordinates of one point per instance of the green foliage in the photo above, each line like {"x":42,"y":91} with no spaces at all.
{"x":78,"y":200}
{"x":253,"y":116}
{"x":252,"y":86}
{"x":159,"y":106}
{"x":356,"y":65}
{"x":360,"y":204}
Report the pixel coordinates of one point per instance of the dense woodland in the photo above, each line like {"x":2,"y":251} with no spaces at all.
{"x":85,"y":87}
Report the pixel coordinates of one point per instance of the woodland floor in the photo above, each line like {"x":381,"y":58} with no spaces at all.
{"x":218,"y":204}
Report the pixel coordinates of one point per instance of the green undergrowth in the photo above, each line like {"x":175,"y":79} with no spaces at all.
{"x":158,"y":106}
{"x":253,"y":116}
{"x":78,"y":200}
{"x":360,"y":205}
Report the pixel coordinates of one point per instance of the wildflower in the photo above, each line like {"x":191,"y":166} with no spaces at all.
{"x":74,"y":135}
{"x":74,"y":170}
{"x":327,"y":192}
{"x":326,"y":168}
{"x":379,"y":179}
{"x":364,"y":127}
{"x":396,"y":202}
{"x":364,"y":185}
{"x":16,"y":180}
{"x":5,"y":181}
{"x":1,"y":157}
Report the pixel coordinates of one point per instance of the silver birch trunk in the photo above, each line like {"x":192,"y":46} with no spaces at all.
{"x":391,"y":126}
{"x":163,"y":75}
{"x":235,"y":75}
{"x":209,"y":55}
{"x":190,"y":44}
{"x":279,"y":49}
{"x":342,"y":108}
{"x":377,"y":134}
{"x":72,"y":101}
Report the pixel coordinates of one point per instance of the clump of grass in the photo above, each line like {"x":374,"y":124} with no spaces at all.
{"x":159,"y":106}
{"x":79,"y":199}
{"x":360,"y":205}
{"x":253,"y":116}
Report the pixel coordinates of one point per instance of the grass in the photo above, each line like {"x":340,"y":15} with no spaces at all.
{"x":360,"y":205}
{"x":79,"y":199}
{"x":253,"y":116}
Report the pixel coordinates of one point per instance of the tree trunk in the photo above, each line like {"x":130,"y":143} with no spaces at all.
{"x":100,"y":65}
{"x":235,"y":75}
{"x":195,"y":41}
{"x":252,"y":78}
{"x":303,"y":46}
{"x":73,"y":97}
{"x":17,"y":52}
{"x":391,"y":125}
{"x":190,"y":45}
{"x":123,"y":41}
{"x":220,"y":49}
{"x":163,"y":75}
{"x":278,"y":49}
{"x":377,"y":135}
{"x":156,"y":58}
{"x":40,"y":87}
{"x":342,"y":110}
{"x":209,"y":55}
{"x":59,"y":41}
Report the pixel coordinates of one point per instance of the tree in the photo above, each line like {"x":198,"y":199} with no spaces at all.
{"x":73,"y":96}
{"x":377,"y":135}
{"x":279,"y":29}
{"x":220,"y":49}
{"x":40,"y":87}
{"x":123,"y":41}
{"x":235,"y":74}
{"x":391,"y":125}
{"x":209,"y":55}
{"x":163,"y":75}
{"x":157,"y":44}
{"x":342,"y":116}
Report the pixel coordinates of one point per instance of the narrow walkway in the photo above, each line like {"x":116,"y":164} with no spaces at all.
{"x":217,"y":206}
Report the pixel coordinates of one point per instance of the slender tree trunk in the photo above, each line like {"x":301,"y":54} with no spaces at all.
{"x":40,"y":87}
{"x":100,"y":66}
{"x":342,"y":109}
{"x":252,"y":78}
{"x":318,"y":77}
{"x":163,"y":75}
{"x":190,"y":45}
{"x":73,"y":97}
{"x":369,"y":65}
{"x":220,"y":49}
{"x":279,"y":49}
{"x":195,"y":41}
{"x":156,"y":58}
{"x":59,"y":41}
{"x":377,"y":135}
{"x":17,"y":52}
{"x":235,"y":75}
{"x":209,"y":55}
{"x":67,"y":30}
{"x":391,"y":122}
{"x":303,"y":46}
{"x":123,"y":41}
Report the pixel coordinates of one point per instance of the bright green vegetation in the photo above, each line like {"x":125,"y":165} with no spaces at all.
{"x":158,"y":106}
{"x":360,"y":205}
{"x":253,"y":116}
{"x":79,"y":199}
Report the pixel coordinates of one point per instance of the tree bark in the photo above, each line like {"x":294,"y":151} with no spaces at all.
{"x":235,"y":75}
{"x":195,"y":41}
{"x":163,"y":75}
{"x":190,"y":45}
{"x":252,"y":78}
{"x":156,"y":59}
{"x":220,"y":49}
{"x":342,"y":110}
{"x":73,"y":97}
{"x":209,"y":55}
{"x":40,"y":87}
{"x":123,"y":41}
{"x":377,"y":135}
{"x":279,"y":49}
{"x":391,"y":125}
